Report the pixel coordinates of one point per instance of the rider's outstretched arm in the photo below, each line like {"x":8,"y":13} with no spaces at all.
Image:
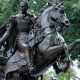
{"x":8,"y":31}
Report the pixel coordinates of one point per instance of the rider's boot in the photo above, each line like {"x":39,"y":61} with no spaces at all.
{"x":29,"y":62}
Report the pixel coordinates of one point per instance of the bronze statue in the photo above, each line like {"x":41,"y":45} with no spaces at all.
{"x":48,"y":45}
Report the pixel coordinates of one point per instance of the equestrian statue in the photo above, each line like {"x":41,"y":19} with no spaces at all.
{"x":34,"y":44}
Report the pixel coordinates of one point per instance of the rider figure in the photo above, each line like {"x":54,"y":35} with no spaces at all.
{"x":21,"y":25}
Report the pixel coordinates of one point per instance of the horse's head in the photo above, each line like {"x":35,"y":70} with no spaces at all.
{"x":58,"y":14}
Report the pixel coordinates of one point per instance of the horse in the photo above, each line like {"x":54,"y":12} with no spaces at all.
{"x":52,"y":48}
{"x":49,"y":49}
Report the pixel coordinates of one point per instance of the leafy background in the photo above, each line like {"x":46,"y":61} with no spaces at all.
{"x":72,"y":9}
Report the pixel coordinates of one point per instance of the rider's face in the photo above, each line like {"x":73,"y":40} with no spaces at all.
{"x":24,"y":9}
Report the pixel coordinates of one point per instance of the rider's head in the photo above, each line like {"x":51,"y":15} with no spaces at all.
{"x":24,"y":6}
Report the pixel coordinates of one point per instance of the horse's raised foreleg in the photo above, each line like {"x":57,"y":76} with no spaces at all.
{"x":73,"y":45}
{"x":53,"y":51}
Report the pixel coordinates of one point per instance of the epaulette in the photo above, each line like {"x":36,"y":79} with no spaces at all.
{"x":12,"y":18}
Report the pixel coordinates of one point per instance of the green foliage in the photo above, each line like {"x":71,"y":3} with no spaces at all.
{"x":72,"y":9}
{"x":7,"y":8}
{"x":73,"y":12}
{"x":50,"y":74}
{"x":72,"y":33}
{"x":37,"y":5}
{"x":67,"y":75}
{"x":62,"y":76}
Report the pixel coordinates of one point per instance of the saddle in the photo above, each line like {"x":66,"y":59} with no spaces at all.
{"x":35,"y":37}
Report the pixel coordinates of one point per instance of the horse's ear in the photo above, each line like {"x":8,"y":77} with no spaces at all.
{"x":56,"y":3}
{"x":60,"y":4}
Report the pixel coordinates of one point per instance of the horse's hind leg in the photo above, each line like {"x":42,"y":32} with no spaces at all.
{"x":12,"y":76}
{"x":40,"y":77}
{"x":9,"y":76}
{"x":57,"y":70}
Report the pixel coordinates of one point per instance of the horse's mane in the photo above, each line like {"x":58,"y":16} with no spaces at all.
{"x":42,"y":10}
{"x":45,"y":7}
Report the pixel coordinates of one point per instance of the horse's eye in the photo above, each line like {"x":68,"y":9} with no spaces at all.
{"x":55,"y":8}
{"x":62,"y":11}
